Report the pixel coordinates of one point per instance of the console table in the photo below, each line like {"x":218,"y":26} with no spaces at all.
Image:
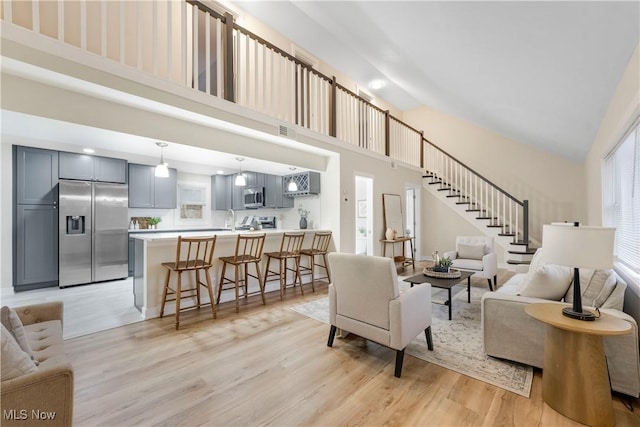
{"x":401,"y":259}
{"x":575,"y":379}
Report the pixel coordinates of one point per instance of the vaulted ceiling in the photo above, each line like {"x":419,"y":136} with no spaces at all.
{"x":539,"y":72}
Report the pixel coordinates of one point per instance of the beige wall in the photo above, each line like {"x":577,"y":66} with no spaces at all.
{"x":623,"y":109}
{"x":553,"y":185}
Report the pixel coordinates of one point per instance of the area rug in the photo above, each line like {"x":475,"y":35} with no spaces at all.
{"x":457,"y":342}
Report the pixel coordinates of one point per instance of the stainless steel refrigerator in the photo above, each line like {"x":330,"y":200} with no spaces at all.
{"x":93,"y":239}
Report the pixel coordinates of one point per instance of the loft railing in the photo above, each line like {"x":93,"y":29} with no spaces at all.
{"x":194,"y":46}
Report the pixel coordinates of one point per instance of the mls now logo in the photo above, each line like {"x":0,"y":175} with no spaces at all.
{"x":23,"y":414}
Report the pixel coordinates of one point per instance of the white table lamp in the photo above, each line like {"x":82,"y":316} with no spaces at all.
{"x":578,"y":247}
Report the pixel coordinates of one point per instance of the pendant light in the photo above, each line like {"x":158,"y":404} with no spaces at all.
{"x":162,"y":171}
{"x":293,"y":186}
{"x":240,"y":179}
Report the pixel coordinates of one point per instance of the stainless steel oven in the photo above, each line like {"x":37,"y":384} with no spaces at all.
{"x":253,"y":197}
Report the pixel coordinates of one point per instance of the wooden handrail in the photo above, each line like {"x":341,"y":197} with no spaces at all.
{"x":521,"y":203}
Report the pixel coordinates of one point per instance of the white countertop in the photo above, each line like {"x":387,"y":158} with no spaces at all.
{"x":160,"y":235}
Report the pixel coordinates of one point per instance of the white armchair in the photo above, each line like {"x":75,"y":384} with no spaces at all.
{"x":477,"y":254}
{"x":364,"y":300}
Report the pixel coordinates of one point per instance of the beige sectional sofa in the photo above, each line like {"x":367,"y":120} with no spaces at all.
{"x":44,"y":396}
{"x":509,"y":333}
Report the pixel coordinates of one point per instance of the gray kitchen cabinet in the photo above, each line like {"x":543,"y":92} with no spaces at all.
{"x":36,"y":258}
{"x":165,"y":190}
{"x":255,"y":179}
{"x":36,"y":176}
{"x":141,"y":186}
{"x":308,"y":183}
{"x":131,"y":257}
{"x":35,"y":244}
{"x":110,"y":170}
{"x":92,"y":168}
{"x":147,"y":191}
{"x":237,"y":194}
{"x":221,"y":192}
{"x":274,"y":193}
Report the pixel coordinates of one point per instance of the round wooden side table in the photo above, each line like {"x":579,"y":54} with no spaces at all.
{"x":575,"y":379}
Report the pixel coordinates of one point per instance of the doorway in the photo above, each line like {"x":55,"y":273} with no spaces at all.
{"x":411,"y":222}
{"x":364,"y":215}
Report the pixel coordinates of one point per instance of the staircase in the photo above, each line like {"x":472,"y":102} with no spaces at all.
{"x":482,"y":202}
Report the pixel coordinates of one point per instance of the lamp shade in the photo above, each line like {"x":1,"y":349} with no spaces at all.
{"x":578,"y":247}
{"x":162,"y":171}
{"x":292,"y":186}
{"x":240,"y":180}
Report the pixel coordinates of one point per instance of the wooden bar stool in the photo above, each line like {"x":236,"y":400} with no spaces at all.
{"x":192,"y":254}
{"x":319,"y":247}
{"x":289,"y":249}
{"x":248,"y":251}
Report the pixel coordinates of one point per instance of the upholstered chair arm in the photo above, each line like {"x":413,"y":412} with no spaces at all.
{"x":333,"y":304}
{"x":33,"y":392}
{"x":36,"y":313}
{"x":490,"y":265}
{"x":409,"y":315}
{"x":451,"y":254}
{"x":521,"y":268}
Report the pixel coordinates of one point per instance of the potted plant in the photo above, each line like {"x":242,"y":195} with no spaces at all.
{"x":154,"y":221}
{"x":443,"y":265}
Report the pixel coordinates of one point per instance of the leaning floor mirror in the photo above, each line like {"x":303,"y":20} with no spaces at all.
{"x":393,"y":218}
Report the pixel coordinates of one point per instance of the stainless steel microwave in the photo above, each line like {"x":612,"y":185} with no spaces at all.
{"x":253,"y":197}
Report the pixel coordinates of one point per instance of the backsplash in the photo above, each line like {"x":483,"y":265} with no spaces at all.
{"x":171,"y":218}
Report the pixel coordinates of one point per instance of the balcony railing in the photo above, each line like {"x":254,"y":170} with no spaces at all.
{"x":194,"y":46}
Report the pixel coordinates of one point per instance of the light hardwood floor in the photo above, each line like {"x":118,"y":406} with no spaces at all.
{"x":269,"y":365}
{"x":87,"y":308}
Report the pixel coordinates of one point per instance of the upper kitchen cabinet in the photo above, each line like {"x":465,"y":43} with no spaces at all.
{"x":237,"y":193}
{"x":165,"y":190}
{"x":274,"y":193}
{"x":148,"y":191}
{"x":255,"y":179}
{"x":307,"y":183}
{"x":221,"y":192}
{"x":36,"y":176}
{"x":92,"y":168}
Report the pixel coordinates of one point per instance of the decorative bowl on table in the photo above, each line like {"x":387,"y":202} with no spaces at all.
{"x":452,"y":273}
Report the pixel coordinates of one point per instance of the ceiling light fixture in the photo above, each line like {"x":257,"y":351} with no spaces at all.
{"x":377,"y":84}
{"x":162,"y":171}
{"x":89,"y":150}
{"x":293,"y":186}
{"x":240,"y":179}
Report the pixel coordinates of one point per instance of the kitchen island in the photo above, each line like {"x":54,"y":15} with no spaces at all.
{"x":152,"y":249}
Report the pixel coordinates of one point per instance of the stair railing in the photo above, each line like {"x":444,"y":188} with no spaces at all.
{"x":490,"y":202}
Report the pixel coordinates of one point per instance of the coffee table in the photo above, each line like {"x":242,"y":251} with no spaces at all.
{"x":447,"y":284}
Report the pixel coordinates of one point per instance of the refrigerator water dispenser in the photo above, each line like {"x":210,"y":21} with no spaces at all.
{"x":75,"y":224}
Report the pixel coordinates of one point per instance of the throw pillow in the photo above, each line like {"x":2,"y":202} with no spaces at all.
{"x":10,"y":319}
{"x":547,"y":282}
{"x":536,"y":261}
{"x":595,"y":287}
{"x":470,"y":251}
{"x":15,"y":362}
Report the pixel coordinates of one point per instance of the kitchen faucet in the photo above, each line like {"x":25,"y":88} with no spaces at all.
{"x":233,"y":219}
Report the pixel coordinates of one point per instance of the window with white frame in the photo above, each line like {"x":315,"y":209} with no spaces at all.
{"x":621,"y":198}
